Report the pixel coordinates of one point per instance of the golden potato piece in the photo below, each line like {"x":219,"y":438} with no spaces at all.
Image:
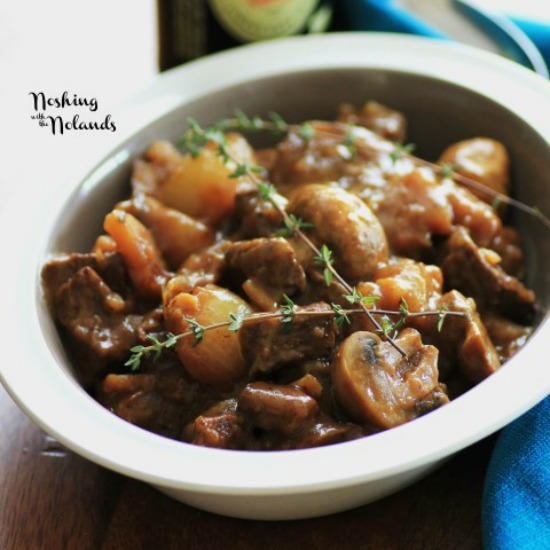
{"x":139,"y":252}
{"x":197,"y":186}
{"x":218,"y":359}
{"x":414,"y":282}
{"x":177,"y":234}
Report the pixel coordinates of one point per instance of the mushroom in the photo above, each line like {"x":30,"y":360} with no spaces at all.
{"x":345,"y":224}
{"x":375,"y":384}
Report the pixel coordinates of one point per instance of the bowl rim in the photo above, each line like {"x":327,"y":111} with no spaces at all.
{"x":30,"y":370}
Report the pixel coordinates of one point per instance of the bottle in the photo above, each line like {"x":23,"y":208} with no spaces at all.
{"x":189,"y":29}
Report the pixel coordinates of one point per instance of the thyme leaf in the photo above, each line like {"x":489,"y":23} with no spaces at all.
{"x":448,"y":170}
{"x":291,"y":225}
{"x":306,"y":131}
{"x":196,"y":329}
{"x":340,"y":315}
{"x":401,"y":150}
{"x":237,"y":319}
{"x":288,"y":312}
{"x":266,"y":191}
{"x":441,"y":316}
{"x":325,"y":260}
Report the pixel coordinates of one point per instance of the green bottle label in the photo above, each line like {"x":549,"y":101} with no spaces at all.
{"x":252,"y":20}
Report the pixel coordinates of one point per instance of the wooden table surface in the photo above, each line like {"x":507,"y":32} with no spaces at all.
{"x":52,"y":499}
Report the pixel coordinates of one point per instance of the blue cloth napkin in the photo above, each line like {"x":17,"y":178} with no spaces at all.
{"x":516,"y":500}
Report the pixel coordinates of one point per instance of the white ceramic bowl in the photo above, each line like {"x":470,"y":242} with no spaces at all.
{"x":308,"y":75}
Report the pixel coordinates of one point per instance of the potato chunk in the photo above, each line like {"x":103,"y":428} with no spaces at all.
{"x":416,"y":283}
{"x":176,"y":234}
{"x":197,"y":186}
{"x":139,"y":252}
{"x":218,"y":359}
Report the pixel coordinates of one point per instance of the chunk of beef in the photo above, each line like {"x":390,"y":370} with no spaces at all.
{"x":506,"y":335}
{"x":375,"y":384}
{"x":159,"y":401}
{"x":474,"y":271}
{"x":110,"y":267}
{"x":507,"y":244}
{"x":411,"y":207}
{"x":284,"y":409}
{"x":266,"y":157}
{"x":326,"y":432}
{"x":317,"y":289}
{"x":318,"y":159}
{"x":206,"y":266}
{"x":271,"y":267}
{"x":462,"y":339}
{"x":95,"y":315}
{"x":221,"y":426}
{"x":255,"y":216}
{"x":267,"y":343}
{"x":272,"y":261}
{"x":386,"y":122}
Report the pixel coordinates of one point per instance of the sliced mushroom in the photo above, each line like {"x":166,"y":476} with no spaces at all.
{"x":375,"y":384}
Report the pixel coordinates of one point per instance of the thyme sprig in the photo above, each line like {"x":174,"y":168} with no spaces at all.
{"x":287,"y":313}
{"x":197,"y":134}
{"x":340,"y":315}
{"x":155,"y":349}
{"x":275,"y":123}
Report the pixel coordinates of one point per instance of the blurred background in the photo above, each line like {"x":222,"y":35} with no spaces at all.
{"x":108,"y":50}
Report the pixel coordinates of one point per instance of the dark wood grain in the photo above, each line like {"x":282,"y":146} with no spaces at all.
{"x":52,"y":499}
